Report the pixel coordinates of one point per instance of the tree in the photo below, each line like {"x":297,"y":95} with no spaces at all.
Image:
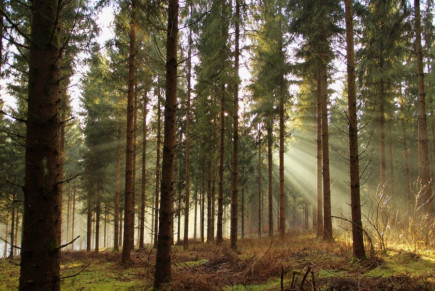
{"x":357,"y":230}
{"x":165,"y":238}
{"x":40,"y":251}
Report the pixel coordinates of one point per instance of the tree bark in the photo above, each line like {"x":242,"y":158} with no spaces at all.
{"x":319,"y":224}
{"x":165,"y":238}
{"x":270,"y":165}
{"x":117,"y":193}
{"x":219,"y":236}
{"x":40,"y":253}
{"x":327,"y":220}
{"x":260,"y":196}
{"x":73,"y":214}
{"x":357,"y":230}
{"x":187,"y":186}
{"x":12,"y":235}
{"x":97,"y":218}
{"x":281,"y":161}
{"x":143,"y":188}
{"x":157,"y":194}
{"x":423,"y":140}
{"x":128,"y":243}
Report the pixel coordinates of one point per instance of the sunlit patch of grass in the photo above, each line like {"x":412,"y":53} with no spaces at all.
{"x":9,"y":274}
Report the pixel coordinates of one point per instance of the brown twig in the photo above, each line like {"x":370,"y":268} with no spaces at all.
{"x":75,"y":275}
{"x":67,"y":244}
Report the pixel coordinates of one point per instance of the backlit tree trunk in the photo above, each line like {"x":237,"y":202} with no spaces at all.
{"x":270,"y":165}
{"x":128,"y":243}
{"x":260,"y":196}
{"x":319,"y":224}
{"x":97,"y":219}
{"x":423,"y":140}
{"x":219,"y":238}
{"x":143,"y":188}
{"x":165,"y":238}
{"x":357,"y":230}
{"x":157,"y":193}
{"x":40,"y":252}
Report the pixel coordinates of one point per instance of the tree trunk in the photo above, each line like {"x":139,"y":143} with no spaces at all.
{"x":187,"y":186}
{"x":195,"y":223}
{"x":106,"y":213}
{"x":179,"y":201}
{"x":270,"y":165}
{"x":209,"y":202}
{"x":40,"y":253}
{"x":382,"y":163}
{"x":235,"y":171}
{"x":319,"y":224}
{"x":89,"y":204}
{"x":120,"y":227}
{"x":12,"y":237}
{"x":97,"y":218}
{"x":73,"y":214}
{"x":157,"y":194}
{"x":242,"y":210}
{"x":117,"y":194}
{"x":219,"y":236}
{"x":423,"y":140}
{"x":68,"y":212}
{"x":357,"y":230}
{"x":5,"y":251}
{"x":165,"y":238}
{"x":143,"y":188}
{"x":128,"y":243}
{"x":327,"y":224}
{"x":17,"y":231}
{"x":281,"y":161}
{"x":202,"y":201}
{"x":390,"y":153}
{"x":260,"y":196}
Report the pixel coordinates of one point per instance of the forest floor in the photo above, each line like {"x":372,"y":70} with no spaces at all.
{"x":300,"y":262}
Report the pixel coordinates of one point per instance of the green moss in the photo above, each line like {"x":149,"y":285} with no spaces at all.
{"x":9,"y":274}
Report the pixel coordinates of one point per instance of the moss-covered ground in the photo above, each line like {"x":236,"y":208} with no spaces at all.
{"x":300,"y":262}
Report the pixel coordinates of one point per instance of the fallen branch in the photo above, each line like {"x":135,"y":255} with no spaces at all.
{"x":14,"y":246}
{"x":75,"y":275}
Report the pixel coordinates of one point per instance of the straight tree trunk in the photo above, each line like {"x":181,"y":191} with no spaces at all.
{"x":270,"y":165}
{"x":116,"y":231}
{"x":89,"y":204}
{"x":73,"y":215}
{"x":187,"y":186}
{"x":202,"y":201}
{"x":17,"y":231}
{"x":179,"y":202}
{"x":143,"y":188}
{"x":209,"y":202}
{"x":106,"y":213}
{"x":195,"y":222}
{"x":281,"y":161}
{"x":97,"y":218}
{"x":219,"y":236}
{"x":242,"y":210}
{"x":12,"y":237}
{"x":423,"y":140}
{"x":68,"y":212}
{"x":357,"y":230}
{"x":327,"y":224}
{"x":5,"y":251}
{"x":40,"y":252}
{"x":157,"y":194}
{"x":165,"y":238}
{"x":382,"y":162}
{"x":260,"y":196}
{"x":121,"y":227}
{"x":319,"y":224}
{"x":391,"y":160}
{"x":235,"y":170}
{"x":128,"y":243}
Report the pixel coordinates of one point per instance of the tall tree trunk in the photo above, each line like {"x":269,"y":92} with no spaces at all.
{"x":165,"y":238}
{"x":12,"y":237}
{"x":117,"y":193}
{"x":121,"y":227}
{"x":128,"y":243}
{"x":242,"y":210}
{"x":89,"y":205}
{"x":5,"y":250}
{"x":97,"y":218}
{"x":157,"y":194}
{"x":68,"y":212}
{"x":319,"y":224}
{"x":270,"y":165}
{"x":195,"y":222}
{"x":391,"y":160}
{"x":202,"y":201}
{"x":144,"y":159}
{"x":106,"y":213}
{"x":235,"y":170}
{"x":219,"y":236}
{"x":423,"y":140}
{"x":17,"y":231}
{"x":73,"y":214}
{"x":179,"y":201}
{"x":382,"y":163}
{"x":40,"y":252}
{"x":260,"y":196}
{"x":281,"y":161}
{"x":327,"y":224}
{"x":209,"y":202}
{"x":357,"y":230}
{"x":187,"y":186}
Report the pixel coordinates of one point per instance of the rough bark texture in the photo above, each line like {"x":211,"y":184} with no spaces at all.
{"x":423,"y":140}
{"x":128,"y":243}
{"x":357,"y":230}
{"x":165,"y":238}
{"x":40,"y":251}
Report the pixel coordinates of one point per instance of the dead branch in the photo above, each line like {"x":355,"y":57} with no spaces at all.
{"x":14,"y":246}
{"x":67,"y":244}
{"x":75,"y":275}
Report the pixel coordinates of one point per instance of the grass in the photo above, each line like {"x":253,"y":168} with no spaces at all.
{"x":258,"y":265}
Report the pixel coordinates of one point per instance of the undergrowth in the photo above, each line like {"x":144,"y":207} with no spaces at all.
{"x":300,"y":261}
